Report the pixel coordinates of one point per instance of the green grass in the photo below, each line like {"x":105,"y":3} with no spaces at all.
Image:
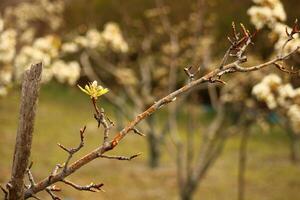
{"x":63,"y":111}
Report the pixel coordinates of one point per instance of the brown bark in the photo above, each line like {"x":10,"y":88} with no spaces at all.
{"x":30,"y":90}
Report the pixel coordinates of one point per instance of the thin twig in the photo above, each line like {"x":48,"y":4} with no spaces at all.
{"x":121,"y":157}
{"x":72,"y":151}
{"x":53,"y":196}
{"x":101,"y":119}
{"x":55,"y":170}
{"x":30,"y":176}
{"x":91,"y":187}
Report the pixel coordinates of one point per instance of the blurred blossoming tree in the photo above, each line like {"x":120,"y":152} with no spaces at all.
{"x":33,"y":31}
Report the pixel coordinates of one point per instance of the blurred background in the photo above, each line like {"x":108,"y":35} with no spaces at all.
{"x":234,"y":141}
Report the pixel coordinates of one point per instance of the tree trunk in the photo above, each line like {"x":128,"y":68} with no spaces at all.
{"x":186,"y":196}
{"x":293,"y":146}
{"x":154,"y":150}
{"x":187,"y":192}
{"x":242,"y":164}
{"x":30,"y":90}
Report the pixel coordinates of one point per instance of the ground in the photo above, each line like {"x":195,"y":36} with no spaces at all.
{"x":63,"y":111}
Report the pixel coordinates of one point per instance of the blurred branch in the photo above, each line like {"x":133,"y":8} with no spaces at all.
{"x":242,"y":163}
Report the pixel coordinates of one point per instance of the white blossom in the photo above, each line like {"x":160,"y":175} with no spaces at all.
{"x":48,"y":44}
{"x":112,"y":34}
{"x":278,"y":10}
{"x":7,"y":45}
{"x":94,"y":38}
{"x":266,"y":12}
{"x":3,"y":91}
{"x":285,"y":93}
{"x":263,"y":91}
{"x":66,"y":72}
{"x":47,"y":75}
{"x":277,"y":95}
{"x":27,"y":36}
{"x":50,"y":49}
{"x":271,"y":13}
{"x":5,"y":77}
{"x":260,"y":16}
{"x":110,"y":37}
{"x":81,"y":41}
{"x":297,"y":92}
{"x":44,"y":49}
{"x":24,"y":13}
{"x":272,"y":80}
{"x":69,"y":47}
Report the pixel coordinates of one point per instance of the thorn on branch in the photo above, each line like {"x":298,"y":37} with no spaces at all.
{"x":120,"y":157}
{"x":91,"y":187}
{"x":136,"y":131}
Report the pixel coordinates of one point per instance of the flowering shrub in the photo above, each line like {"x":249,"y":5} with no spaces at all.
{"x":20,"y":28}
{"x":278,"y":95}
{"x":266,"y":12}
{"x":271,"y":14}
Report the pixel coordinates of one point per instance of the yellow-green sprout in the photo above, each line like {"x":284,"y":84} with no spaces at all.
{"x":94,"y":90}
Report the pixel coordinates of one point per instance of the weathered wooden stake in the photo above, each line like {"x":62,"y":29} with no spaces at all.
{"x":30,"y":91}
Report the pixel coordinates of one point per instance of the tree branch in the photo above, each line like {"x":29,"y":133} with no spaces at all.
{"x":120,"y":157}
{"x":91,"y":187}
{"x":71,"y":151}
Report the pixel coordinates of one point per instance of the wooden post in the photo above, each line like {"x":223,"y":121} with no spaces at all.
{"x":30,"y":90}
